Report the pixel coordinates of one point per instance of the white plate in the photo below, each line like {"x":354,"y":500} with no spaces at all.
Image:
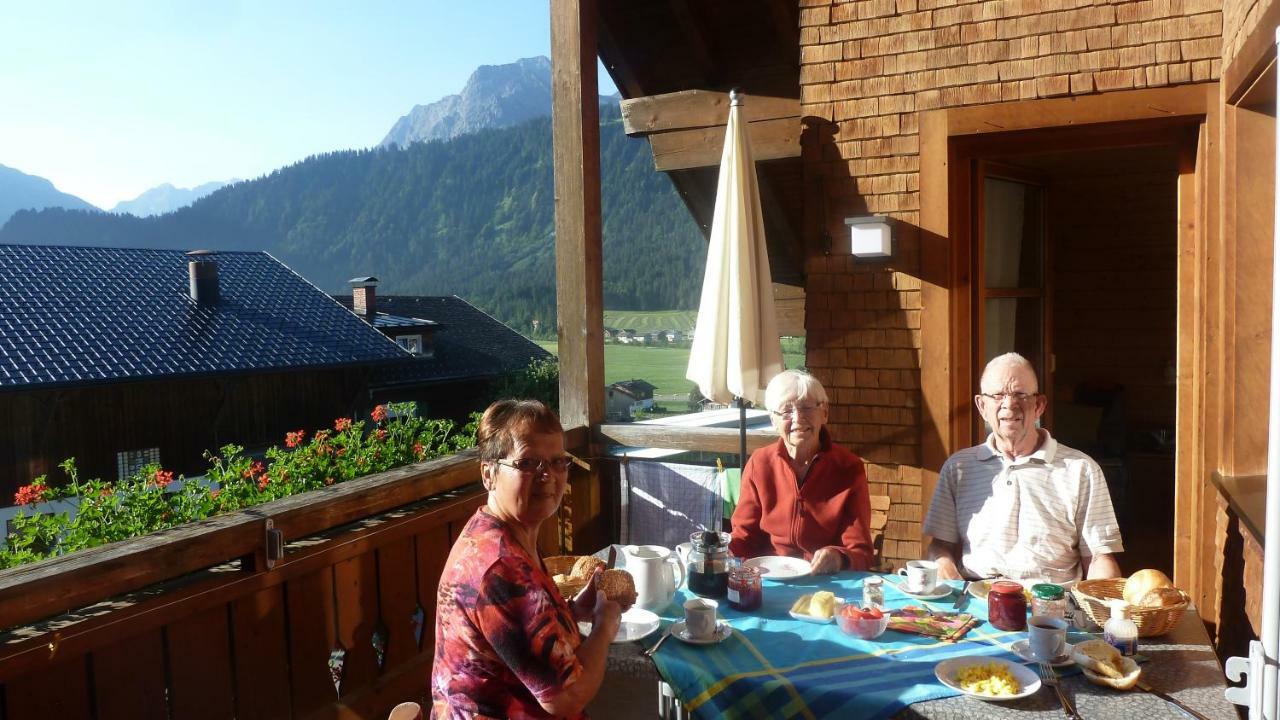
{"x":680,"y":632}
{"x":780,"y":567}
{"x":819,"y":620}
{"x":637,"y":624}
{"x":947,"y":670}
{"x":940,"y":591}
{"x":1022,"y":649}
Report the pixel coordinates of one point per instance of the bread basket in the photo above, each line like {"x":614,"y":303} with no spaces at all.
{"x":563,"y":565}
{"x":1093,"y":595}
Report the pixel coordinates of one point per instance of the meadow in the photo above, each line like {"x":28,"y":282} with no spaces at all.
{"x":640,"y":321}
{"x":662,"y":366}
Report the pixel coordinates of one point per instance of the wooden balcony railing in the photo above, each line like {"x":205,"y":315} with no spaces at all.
{"x":191,"y":623}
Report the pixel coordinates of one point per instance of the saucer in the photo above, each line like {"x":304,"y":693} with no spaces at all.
{"x":636,"y":624}
{"x":1022,"y":649}
{"x":680,"y":632}
{"x":939,"y":591}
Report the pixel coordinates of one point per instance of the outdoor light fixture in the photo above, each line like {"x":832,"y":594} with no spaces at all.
{"x":870,"y":237}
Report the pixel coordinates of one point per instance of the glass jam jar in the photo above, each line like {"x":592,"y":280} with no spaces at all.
{"x":745,"y":590}
{"x":1048,"y":599}
{"x":1007,"y":606}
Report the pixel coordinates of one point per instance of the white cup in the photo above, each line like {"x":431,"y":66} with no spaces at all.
{"x":700,"y":618}
{"x":922,"y":575}
{"x":1047,"y":636}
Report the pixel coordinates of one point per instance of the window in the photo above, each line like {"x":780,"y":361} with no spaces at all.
{"x":412,"y":343}
{"x":129,"y":462}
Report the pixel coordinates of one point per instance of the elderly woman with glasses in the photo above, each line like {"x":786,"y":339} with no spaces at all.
{"x":804,"y":496}
{"x":507,"y":643}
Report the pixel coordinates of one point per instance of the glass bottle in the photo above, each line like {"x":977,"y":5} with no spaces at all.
{"x":1048,"y":599}
{"x":745,"y":591}
{"x":1007,"y":606}
{"x":873,"y":592}
{"x":1121,"y":632}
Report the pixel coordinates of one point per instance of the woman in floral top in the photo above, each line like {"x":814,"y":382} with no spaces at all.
{"x":507,"y":643}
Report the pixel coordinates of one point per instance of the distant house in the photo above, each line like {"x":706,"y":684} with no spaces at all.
{"x":624,"y":398}
{"x":673,"y":336}
{"x":123,"y":357}
{"x":459,"y":350}
{"x":626,"y":336}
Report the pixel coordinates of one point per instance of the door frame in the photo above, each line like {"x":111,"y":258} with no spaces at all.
{"x":950,"y":141}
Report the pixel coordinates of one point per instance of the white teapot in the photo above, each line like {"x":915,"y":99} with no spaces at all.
{"x":657,"y":573}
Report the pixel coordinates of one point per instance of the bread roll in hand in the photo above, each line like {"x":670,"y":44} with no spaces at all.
{"x":618,"y":586}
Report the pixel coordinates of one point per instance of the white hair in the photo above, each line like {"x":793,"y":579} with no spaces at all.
{"x":793,"y":384}
{"x":1009,"y":360}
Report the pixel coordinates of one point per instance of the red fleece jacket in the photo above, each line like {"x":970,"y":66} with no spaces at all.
{"x":778,"y":516}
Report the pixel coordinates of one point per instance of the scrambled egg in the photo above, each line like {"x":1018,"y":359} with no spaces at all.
{"x":988,"y":679}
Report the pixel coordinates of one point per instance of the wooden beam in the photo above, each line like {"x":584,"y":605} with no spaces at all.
{"x":681,"y":150}
{"x":690,"y":109}
{"x":1145,"y":104}
{"x":703,"y":69}
{"x":716,"y":440}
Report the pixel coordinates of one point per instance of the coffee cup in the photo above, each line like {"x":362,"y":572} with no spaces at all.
{"x":922,"y":575}
{"x":700,"y":618}
{"x":1047,"y":636}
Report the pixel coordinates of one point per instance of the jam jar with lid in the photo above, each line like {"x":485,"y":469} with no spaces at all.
{"x":1048,"y":599}
{"x":745,"y":589}
{"x":1007,"y":606}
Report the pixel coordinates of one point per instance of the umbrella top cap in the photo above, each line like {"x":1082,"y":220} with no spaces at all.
{"x":736,"y":97}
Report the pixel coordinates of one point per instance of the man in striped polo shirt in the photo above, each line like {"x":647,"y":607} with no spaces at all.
{"x":1020,"y":505}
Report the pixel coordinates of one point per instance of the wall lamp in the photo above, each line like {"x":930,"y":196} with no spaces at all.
{"x":870,"y":237}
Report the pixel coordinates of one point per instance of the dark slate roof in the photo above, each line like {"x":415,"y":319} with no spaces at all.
{"x":78,"y":315}
{"x":383,"y":320}
{"x":467,"y":342}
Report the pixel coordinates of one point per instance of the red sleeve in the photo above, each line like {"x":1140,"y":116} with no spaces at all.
{"x":747,"y":537}
{"x":527,"y":627}
{"x":856,"y":539}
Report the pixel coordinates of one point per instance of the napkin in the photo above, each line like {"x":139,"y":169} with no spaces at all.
{"x":945,"y":626}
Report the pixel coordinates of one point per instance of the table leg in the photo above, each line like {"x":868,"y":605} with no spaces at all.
{"x":669,"y":706}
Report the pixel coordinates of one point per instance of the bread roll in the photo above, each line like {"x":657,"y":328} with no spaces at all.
{"x":1143,"y":582}
{"x":618,"y":586}
{"x":1099,"y":657}
{"x":585,"y":566}
{"x":1162,"y":597}
{"x":1129,"y":672}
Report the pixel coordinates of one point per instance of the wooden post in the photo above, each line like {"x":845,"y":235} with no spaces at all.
{"x":575,"y":121}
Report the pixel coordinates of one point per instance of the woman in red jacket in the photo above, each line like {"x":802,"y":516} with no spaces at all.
{"x":804,"y":496}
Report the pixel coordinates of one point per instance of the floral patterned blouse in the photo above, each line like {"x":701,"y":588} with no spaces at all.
{"x":505,"y":637}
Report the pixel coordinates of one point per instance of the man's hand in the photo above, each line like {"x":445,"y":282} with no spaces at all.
{"x":944,"y":554}
{"x":1101,"y":566}
{"x":826,"y":561}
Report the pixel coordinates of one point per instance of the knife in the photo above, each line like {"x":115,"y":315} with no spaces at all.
{"x":1145,"y":687}
{"x":613,"y":557}
{"x":963,"y":599}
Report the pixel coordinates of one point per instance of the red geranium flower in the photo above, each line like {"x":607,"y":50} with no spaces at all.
{"x":213,"y":494}
{"x":263,"y":481}
{"x":294,"y":439}
{"x":163,"y":478}
{"x":380,"y":434}
{"x":342,"y":424}
{"x":379,"y":414}
{"x":28,"y":494}
{"x":257,"y":468}
{"x":419,"y":450}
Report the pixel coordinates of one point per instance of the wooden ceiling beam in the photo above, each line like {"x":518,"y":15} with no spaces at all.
{"x":690,"y":109}
{"x":702,"y":147}
{"x":703,"y":69}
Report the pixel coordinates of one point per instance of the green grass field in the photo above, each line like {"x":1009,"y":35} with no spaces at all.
{"x":664,"y":367}
{"x":682,"y":320}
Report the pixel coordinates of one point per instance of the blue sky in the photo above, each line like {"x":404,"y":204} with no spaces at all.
{"x":108,"y":99}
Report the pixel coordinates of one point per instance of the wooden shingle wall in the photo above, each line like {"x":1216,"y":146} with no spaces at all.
{"x":868,"y":68}
{"x":1239,"y":18}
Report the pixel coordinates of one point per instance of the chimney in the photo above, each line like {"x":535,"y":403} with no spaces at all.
{"x":363,"y":302}
{"x":202,"y":274}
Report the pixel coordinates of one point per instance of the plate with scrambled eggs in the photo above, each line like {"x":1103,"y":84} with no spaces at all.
{"x":988,"y":678}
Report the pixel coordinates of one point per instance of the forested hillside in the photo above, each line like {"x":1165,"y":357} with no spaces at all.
{"x":472,"y":216}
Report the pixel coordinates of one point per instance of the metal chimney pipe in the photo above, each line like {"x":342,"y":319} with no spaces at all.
{"x":202,"y":274}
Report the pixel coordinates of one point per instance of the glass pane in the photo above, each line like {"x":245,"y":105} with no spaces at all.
{"x":1014,"y":325}
{"x":1013,"y":234}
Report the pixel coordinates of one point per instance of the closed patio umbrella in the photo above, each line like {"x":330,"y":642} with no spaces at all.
{"x":736,"y":350}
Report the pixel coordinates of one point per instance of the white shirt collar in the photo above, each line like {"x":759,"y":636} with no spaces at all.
{"x":1044,"y":454}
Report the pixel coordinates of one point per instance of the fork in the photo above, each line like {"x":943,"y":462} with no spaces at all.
{"x":1050,"y":678}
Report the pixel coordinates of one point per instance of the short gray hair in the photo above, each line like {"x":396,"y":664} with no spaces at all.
{"x":1009,"y":359}
{"x":793,"y":383}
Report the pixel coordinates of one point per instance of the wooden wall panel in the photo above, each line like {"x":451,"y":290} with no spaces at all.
{"x":397,"y":600}
{"x":312,"y":636}
{"x":200,"y":666}
{"x":356,"y":591}
{"x":262,"y":662}
{"x":431,"y":549}
{"x":129,"y":678}
{"x":60,"y":690}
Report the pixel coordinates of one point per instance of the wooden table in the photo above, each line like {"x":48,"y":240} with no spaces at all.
{"x":1182,"y":663}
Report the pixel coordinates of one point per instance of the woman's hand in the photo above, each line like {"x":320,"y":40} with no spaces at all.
{"x":584,"y":603}
{"x":826,"y":561}
{"x":606,"y":615}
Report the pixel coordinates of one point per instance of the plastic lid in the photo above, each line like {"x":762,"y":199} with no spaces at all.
{"x":1119,"y":610}
{"x":1047,"y":591}
{"x":873,"y":581}
{"x":1006,"y":587}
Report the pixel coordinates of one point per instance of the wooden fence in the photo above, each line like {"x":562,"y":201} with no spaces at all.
{"x":204,"y":622}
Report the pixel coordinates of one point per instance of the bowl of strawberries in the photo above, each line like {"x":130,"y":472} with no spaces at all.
{"x":866,"y":623}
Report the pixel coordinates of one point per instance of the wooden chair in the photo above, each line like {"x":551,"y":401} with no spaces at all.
{"x":879,"y":519}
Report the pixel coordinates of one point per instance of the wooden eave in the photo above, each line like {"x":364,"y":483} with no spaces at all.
{"x":674,"y":63}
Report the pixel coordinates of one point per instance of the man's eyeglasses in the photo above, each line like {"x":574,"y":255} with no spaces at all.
{"x":1018,"y":398}
{"x":793,"y":410}
{"x":530,"y":466}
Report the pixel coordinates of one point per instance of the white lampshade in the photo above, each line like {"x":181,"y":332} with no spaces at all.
{"x":870,"y":237}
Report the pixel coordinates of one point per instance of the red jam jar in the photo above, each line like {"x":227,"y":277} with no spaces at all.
{"x":1007,"y":606}
{"x":745,"y":589}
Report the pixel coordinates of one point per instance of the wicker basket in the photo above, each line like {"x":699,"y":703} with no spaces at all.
{"x":1092,"y":597}
{"x":563,"y":565}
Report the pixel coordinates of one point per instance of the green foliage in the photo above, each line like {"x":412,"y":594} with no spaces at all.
{"x":539,"y":381}
{"x":473,"y":217}
{"x":145,"y":502}
{"x":682,"y":320}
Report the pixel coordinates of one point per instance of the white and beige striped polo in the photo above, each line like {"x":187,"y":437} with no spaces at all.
{"x":1027,"y":518}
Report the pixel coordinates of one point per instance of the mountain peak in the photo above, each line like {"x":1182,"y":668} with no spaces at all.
{"x":494,"y":96}
{"x":20,"y":191}
{"x":165,"y":198}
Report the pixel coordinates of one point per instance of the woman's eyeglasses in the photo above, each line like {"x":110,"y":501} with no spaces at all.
{"x":531,"y":466}
{"x":793,"y":410}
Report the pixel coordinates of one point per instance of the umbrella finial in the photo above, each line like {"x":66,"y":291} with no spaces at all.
{"x":736,"y":97}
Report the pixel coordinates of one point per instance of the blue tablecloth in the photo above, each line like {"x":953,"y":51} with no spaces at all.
{"x":775,"y":666}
